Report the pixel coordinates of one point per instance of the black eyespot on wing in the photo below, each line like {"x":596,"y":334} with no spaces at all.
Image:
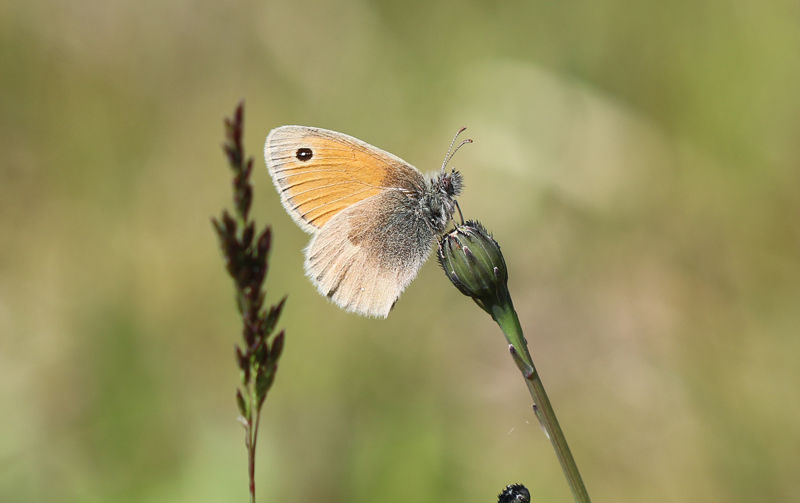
{"x":304,"y":154}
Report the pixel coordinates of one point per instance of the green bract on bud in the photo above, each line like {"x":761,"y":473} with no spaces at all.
{"x":472,"y":260}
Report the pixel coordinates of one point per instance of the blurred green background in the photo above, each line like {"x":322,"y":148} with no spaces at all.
{"x":638,"y":160}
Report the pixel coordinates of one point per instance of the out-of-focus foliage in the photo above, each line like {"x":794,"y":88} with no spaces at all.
{"x":637,"y":161}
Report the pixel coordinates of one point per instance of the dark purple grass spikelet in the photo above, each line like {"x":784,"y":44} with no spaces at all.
{"x":246,"y":259}
{"x":246,"y":254}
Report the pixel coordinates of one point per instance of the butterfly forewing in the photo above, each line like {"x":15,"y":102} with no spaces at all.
{"x":319,"y":173}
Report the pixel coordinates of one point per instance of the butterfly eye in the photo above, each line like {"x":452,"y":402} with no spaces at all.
{"x":304,"y":154}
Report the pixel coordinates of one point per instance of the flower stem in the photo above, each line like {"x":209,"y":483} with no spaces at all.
{"x":505,"y":316}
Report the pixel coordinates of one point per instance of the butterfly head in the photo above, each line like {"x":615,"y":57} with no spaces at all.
{"x":440,"y":199}
{"x":450,"y":184}
{"x":445,"y":187}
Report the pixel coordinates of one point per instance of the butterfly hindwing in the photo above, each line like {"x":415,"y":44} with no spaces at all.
{"x":366,"y":255}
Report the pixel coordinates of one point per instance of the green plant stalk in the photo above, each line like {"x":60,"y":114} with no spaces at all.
{"x":505,"y":316}
{"x":252,"y":438}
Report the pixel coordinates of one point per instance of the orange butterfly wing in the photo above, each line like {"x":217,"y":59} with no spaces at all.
{"x":319,"y":173}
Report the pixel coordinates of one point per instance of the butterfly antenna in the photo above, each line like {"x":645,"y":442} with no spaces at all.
{"x":449,"y":150}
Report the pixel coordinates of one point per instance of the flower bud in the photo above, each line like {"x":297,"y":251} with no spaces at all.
{"x":472,"y":261}
{"x":516,"y":493}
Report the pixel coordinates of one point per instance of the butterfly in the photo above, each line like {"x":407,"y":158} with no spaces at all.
{"x":372,"y":216}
